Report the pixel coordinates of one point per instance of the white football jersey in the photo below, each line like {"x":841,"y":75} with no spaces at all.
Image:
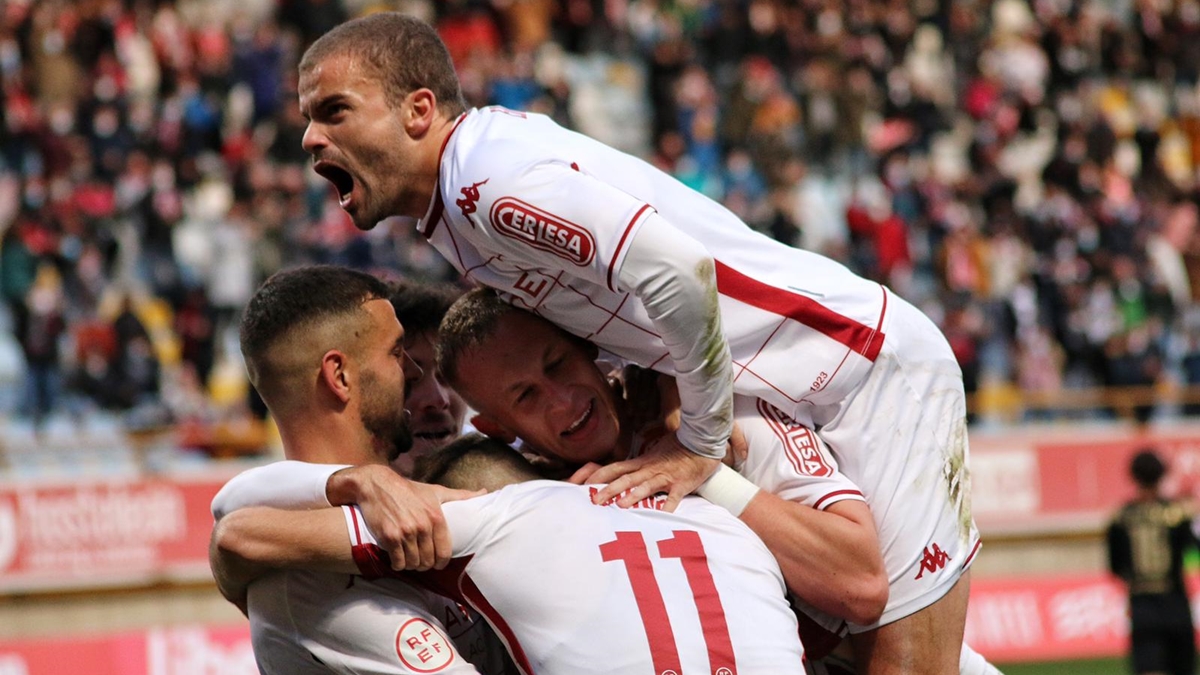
{"x":574,"y":588}
{"x":545,"y":215}
{"x":319,"y":623}
{"x":787,"y":459}
{"x":316,"y":623}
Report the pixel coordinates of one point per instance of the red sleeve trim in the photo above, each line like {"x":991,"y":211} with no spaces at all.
{"x":825,"y":501}
{"x":357,"y":529}
{"x":621,"y":244}
{"x":857,"y":337}
{"x":372,"y":561}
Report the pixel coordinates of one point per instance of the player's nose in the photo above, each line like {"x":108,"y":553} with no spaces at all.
{"x":563,"y":402}
{"x":314,"y":138}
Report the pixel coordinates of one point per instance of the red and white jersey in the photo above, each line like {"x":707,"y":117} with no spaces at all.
{"x":304,"y":623}
{"x":309,"y":623}
{"x":787,"y":459}
{"x":574,"y":588}
{"x":546,"y":216}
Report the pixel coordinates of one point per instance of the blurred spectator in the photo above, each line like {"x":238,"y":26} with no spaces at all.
{"x":42,"y":328}
{"x":196,"y":326}
{"x":135,"y":370}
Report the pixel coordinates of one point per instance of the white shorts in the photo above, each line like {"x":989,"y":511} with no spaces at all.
{"x":901,"y":436}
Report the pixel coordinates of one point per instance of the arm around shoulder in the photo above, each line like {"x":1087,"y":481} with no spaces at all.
{"x":847,"y":580}
{"x":254,"y":541}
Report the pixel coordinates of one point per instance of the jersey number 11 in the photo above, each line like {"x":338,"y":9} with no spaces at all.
{"x":630,"y":548}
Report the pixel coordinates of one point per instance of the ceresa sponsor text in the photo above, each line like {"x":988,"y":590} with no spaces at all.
{"x":544,"y":231}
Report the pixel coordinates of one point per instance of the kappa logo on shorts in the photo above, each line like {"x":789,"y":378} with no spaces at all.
{"x":932,"y":561}
{"x":544,"y":231}
{"x":423,"y":648}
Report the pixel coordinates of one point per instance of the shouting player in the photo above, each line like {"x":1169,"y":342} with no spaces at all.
{"x":617,"y":252}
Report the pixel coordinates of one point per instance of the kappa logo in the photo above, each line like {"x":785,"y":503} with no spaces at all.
{"x":932,"y":561}
{"x":470,"y":198}
{"x":543,"y":231}
{"x":423,"y":648}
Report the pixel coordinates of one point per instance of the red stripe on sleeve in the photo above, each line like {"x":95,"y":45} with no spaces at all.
{"x":357,"y":531}
{"x":802,"y":309}
{"x":621,"y":244}
{"x":824,"y":501}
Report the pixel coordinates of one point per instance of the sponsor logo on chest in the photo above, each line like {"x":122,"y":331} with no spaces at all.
{"x":543,"y":231}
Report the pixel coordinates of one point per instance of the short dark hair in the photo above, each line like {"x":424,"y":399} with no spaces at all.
{"x":1147,"y":469}
{"x":301,"y":297}
{"x":405,"y":53}
{"x":472,"y":319}
{"x":471,"y":462}
{"x":420,"y":307}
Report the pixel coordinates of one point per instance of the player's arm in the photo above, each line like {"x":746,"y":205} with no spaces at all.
{"x":405,"y":514}
{"x":253,"y":541}
{"x":675,"y":278}
{"x":283,"y":485}
{"x":829,"y":557}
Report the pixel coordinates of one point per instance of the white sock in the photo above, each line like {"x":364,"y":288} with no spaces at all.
{"x":970,"y":662}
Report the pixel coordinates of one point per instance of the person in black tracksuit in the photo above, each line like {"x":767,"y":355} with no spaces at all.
{"x":1146,"y":544}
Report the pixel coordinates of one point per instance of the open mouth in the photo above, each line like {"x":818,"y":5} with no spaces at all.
{"x":438,"y":435}
{"x":583,"y":419}
{"x":341,"y":179}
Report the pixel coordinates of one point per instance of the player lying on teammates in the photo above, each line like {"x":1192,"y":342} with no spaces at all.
{"x":326,"y":353}
{"x":622,"y":254}
{"x":531,"y":380}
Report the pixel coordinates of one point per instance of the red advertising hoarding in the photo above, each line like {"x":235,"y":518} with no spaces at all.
{"x":187,"y":650}
{"x":1026,"y":482}
{"x":57,"y":536}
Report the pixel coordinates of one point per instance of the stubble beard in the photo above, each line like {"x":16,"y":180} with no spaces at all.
{"x":385,"y":420}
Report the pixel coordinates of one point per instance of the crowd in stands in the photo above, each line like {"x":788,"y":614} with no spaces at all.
{"x":1028,"y":172}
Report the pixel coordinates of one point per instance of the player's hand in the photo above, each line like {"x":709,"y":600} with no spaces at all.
{"x":405,"y":516}
{"x":666,"y":466}
{"x":583,"y":474}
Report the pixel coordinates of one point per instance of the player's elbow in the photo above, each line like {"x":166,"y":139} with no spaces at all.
{"x":870,"y":597}
{"x":232,"y":543}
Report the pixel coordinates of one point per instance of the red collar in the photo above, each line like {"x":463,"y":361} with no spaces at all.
{"x":427,"y":225}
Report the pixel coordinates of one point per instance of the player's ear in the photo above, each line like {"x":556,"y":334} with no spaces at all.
{"x":490,"y":427}
{"x":335,"y":376}
{"x":420,"y":112}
